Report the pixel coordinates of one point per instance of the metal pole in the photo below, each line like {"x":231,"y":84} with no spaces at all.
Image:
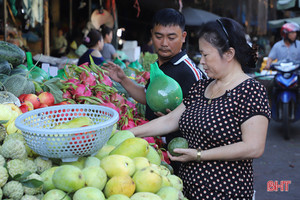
{"x":46,"y":28}
{"x":5,"y":19}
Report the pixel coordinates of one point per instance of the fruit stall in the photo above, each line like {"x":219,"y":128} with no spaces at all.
{"x":66,"y":137}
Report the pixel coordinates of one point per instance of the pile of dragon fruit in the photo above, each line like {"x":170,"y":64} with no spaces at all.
{"x":88,"y":84}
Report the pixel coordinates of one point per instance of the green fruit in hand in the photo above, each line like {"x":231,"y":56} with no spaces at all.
{"x":75,"y":123}
{"x":178,"y":142}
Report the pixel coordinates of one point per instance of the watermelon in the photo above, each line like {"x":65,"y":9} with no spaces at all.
{"x":5,"y":67}
{"x":11,"y":53}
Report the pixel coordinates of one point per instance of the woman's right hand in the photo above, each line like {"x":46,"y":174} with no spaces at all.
{"x":115,"y":72}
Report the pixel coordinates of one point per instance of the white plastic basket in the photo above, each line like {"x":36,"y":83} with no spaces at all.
{"x":66,"y":144}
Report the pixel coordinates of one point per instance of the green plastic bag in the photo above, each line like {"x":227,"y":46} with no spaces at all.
{"x":136,"y":65}
{"x":120,"y":63}
{"x":163,"y":91}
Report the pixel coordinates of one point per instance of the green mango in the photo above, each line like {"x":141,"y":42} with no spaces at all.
{"x":120,"y":136}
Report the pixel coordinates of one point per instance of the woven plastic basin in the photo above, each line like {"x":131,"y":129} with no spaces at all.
{"x":66,"y":144}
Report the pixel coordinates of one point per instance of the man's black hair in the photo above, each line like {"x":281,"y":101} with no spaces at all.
{"x":169,"y":17}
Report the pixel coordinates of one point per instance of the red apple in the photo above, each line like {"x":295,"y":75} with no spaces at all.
{"x":34,"y":99}
{"x":62,"y":103}
{"x":21,"y":97}
{"x":43,"y":105}
{"x":46,"y":98}
{"x":29,"y":104}
{"x":24,"y":108}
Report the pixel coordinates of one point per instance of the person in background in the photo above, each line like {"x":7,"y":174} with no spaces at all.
{"x":288,"y":47}
{"x":109,"y":52}
{"x":168,"y":35}
{"x":148,"y":46}
{"x":60,"y":44}
{"x":224,"y":119}
{"x":94,"y":42}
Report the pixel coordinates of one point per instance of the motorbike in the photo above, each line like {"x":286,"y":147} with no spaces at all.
{"x":285,"y":105}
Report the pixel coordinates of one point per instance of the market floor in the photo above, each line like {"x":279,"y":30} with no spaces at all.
{"x":280,"y":162}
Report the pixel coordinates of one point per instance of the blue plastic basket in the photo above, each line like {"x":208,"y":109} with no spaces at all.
{"x":66,"y":144}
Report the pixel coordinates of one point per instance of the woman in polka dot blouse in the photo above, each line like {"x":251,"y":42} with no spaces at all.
{"x":225,"y":119}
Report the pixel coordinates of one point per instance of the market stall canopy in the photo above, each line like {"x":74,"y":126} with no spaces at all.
{"x":197,"y":17}
{"x":287,"y":4}
{"x":278,"y":23}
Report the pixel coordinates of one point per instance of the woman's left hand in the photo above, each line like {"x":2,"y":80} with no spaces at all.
{"x":186,"y":155}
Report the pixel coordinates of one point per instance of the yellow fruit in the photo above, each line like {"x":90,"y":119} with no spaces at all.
{"x":14,"y":108}
{"x":132,"y":147}
{"x":5,"y":113}
{"x":11,"y":128}
{"x":165,"y":181}
{"x":13,"y":117}
{"x":118,"y":165}
{"x":75,"y":123}
{"x":140,"y":163}
{"x":147,"y":180}
{"x":119,"y":185}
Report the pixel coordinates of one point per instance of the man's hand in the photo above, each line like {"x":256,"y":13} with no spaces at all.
{"x":115,"y":72}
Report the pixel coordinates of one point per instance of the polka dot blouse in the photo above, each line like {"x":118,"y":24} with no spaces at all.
{"x":217,"y":124}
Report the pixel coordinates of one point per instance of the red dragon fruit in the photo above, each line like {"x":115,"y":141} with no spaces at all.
{"x":130,"y":124}
{"x":88,"y":78}
{"x":82,"y":90}
{"x":117,"y":99}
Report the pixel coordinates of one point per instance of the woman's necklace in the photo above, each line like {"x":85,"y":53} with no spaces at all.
{"x":214,"y":94}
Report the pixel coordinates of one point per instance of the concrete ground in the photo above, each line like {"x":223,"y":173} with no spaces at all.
{"x":280,"y":162}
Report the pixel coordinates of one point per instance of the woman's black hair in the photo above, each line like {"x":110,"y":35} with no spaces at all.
{"x":105,"y":30}
{"x":168,"y":17}
{"x":225,"y":33}
{"x":92,"y":38}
